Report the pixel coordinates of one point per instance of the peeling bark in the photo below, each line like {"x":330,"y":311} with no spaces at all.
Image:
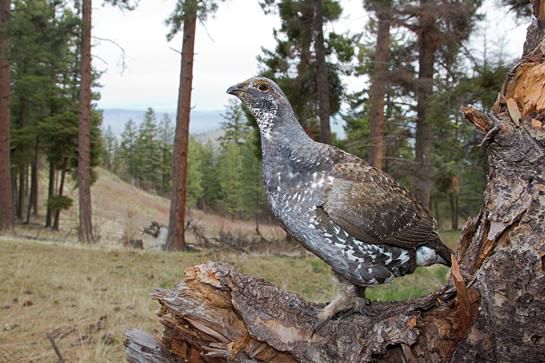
{"x":496,"y":315}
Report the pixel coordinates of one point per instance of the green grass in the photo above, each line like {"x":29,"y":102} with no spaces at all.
{"x":67,"y":288}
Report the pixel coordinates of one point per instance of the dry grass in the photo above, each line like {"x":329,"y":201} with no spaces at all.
{"x":86,"y":297}
{"x":114,"y":200}
{"x":66,"y":290}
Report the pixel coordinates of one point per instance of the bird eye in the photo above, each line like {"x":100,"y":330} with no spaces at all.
{"x":263,"y":87}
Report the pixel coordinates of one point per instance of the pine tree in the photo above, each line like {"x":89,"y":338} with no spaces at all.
{"x":109,"y":151}
{"x":85,"y":230}
{"x":42,"y":62}
{"x":186,"y":13}
{"x":148,"y":153}
{"x":439,"y":26}
{"x":6,"y":206}
{"x":127,"y":151}
{"x":383,"y":12}
{"x":235,"y":127}
{"x":230,"y":172}
{"x":166,"y":139}
{"x":253,"y":196}
{"x":195,"y":187}
{"x":294,"y":66}
{"x":322,"y":73}
{"x":210,"y":180}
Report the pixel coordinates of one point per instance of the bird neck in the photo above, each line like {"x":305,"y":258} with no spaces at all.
{"x":286,"y":148}
{"x":286,"y":134}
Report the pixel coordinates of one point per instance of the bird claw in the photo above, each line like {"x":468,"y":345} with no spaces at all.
{"x":319,"y":325}
{"x":358,"y":307}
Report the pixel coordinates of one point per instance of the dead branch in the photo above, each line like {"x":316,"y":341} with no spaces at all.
{"x":55,"y":348}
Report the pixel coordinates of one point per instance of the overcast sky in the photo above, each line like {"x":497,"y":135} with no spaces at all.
{"x":226,"y":48}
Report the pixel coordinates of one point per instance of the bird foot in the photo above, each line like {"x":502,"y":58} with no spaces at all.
{"x":340,"y":309}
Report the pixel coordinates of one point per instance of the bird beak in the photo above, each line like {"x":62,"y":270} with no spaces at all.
{"x":235,"y":90}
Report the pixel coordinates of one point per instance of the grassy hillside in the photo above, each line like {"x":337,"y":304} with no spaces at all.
{"x":119,"y":207}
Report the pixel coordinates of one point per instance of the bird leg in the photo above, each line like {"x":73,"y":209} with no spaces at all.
{"x":350,"y":299}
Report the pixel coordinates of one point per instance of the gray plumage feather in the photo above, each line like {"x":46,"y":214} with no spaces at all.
{"x":356,"y":218}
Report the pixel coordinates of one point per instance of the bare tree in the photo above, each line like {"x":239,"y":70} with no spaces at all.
{"x":6,"y":205}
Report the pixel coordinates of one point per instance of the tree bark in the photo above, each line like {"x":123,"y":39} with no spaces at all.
{"x":6,"y":203}
{"x":57,"y":219}
{"x":20,"y":204}
{"x":176,"y":227}
{"x":50,"y":193}
{"x":33,"y":197}
{"x":322,"y":82}
{"x":424,"y":89}
{"x":84,"y":142}
{"x":142,"y":347}
{"x":378,"y":85}
{"x":453,"y":200}
{"x":492,"y":309}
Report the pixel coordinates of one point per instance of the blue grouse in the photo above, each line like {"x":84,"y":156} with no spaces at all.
{"x":356,"y":218}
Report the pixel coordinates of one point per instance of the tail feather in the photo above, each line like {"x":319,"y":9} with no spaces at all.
{"x":444,"y":253}
{"x":433,"y":252}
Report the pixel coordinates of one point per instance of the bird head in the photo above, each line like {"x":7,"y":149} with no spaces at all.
{"x":264,"y":99}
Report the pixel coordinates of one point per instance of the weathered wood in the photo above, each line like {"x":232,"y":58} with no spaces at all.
{"x":219,"y":315}
{"x":142,"y":347}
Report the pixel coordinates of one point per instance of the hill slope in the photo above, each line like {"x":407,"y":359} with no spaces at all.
{"x":119,"y":207}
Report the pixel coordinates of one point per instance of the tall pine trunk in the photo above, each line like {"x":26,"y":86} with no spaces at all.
{"x":21,"y":191}
{"x":33,"y":197}
{"x":56,"y":222}
{"x":322,"y":82}
{"x":424,"y":89}
{"x":6,"y":204}
{"x":176,"y":228}
{"x":50,"y":194}
{"x":378,"y":84}
{"x":84,"y":148}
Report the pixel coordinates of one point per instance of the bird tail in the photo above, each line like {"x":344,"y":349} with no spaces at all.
{"x":433,"y":252}
{"x":443,"y":252}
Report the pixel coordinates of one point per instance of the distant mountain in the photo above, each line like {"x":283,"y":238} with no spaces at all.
{"x":202,"y":122}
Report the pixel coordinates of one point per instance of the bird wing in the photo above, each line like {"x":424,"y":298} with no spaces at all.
{"x":372,"y":207}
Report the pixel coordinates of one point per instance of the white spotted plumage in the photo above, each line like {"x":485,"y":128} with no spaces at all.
{"x":300,"y":175}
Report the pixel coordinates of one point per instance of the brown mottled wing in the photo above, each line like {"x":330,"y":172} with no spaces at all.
{"x":372,"y":207}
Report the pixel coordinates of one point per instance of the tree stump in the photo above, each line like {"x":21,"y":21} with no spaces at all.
{"x":496,"y":315}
